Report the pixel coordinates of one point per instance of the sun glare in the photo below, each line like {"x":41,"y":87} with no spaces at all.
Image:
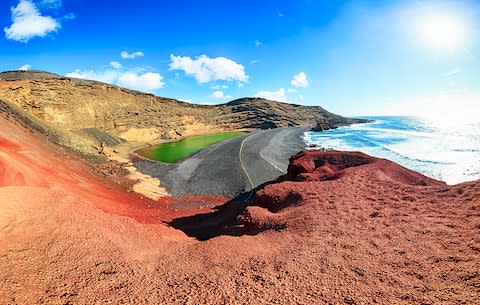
{"x":442,"y":32}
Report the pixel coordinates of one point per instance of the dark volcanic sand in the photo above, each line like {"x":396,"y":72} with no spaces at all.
{"x":372,"y":233}
{"x":222,"y":169}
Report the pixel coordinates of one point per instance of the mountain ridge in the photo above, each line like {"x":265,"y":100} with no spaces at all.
{"x":85,"y":107}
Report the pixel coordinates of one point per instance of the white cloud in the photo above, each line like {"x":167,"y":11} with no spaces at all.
{"x":209,"y":103}
{"x":291,"y":90}
{"x":217,"y":87}
{"x":258,"y":43}
{"x":253,"y":61}
{"x":279,"y":95}
{"x":219,"y":94}
{"x":126,"y":55}
{"x":29,"y":23}
{"x":206,"y":69}
{"x":51,"y":4}
{"x":108,"y":76}
{"x":116,"y":65}
{"x":300,"y":80}
{"x":147,"y":82}
{"x":69,"y":16}
{"x":454,"y":71}
{"x":25,"y":67}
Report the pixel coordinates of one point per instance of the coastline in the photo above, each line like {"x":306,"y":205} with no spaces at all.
{"x":230,"y":167}
{"x":355,"y":228}
{"x":126,"y":154}
{"x":449,"y":154}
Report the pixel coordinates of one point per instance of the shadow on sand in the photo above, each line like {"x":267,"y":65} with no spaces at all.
{"x":223,"y":221}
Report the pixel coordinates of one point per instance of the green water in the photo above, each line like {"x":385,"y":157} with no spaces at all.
{"x":172,"y":152}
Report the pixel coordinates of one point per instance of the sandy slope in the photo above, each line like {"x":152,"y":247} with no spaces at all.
{"x":372,"y":233}
{"x":230,"y":167}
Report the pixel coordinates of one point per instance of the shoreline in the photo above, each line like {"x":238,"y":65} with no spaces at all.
{"x":143,"y":183}
{"x":172,"y":152}
{"x":230,"y":167}
{"x":386,"y":230}
{"x":446,"y":154}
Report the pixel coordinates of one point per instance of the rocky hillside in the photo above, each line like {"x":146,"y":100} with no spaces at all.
{"x":100,"y":111}
{"x":262,"y":113}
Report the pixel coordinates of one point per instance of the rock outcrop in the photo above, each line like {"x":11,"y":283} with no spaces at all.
{"x":376,"y":234}
{"x":335,"y":121}
{"x":316,"y":166}
{"x":90,"y":108}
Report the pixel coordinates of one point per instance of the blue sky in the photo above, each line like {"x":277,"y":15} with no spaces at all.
{"x":352,"y":57}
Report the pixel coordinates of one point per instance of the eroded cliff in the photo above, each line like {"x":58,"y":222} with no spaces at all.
{"x":89,"y":108}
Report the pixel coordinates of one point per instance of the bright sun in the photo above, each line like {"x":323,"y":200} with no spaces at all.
{"x":442,"y":33}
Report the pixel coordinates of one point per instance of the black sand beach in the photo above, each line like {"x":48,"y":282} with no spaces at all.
{"x":230,"y":167}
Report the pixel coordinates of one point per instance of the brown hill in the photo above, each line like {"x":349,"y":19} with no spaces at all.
{"x":350,"y":229}
{"x":99,"y":111}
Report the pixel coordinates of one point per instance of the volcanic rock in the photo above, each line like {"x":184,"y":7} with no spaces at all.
{"x":376,"y":234}
{"x":96,"y":111}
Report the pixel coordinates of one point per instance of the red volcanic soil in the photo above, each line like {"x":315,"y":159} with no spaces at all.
{"x":27,"y":159}
{"x":340,"y":228}
{"x":375,"y":232}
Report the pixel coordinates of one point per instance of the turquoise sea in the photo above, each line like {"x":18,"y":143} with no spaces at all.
{"x":442,"y":150}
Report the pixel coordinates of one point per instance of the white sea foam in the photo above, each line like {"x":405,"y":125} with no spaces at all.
{"x":448,"y":154}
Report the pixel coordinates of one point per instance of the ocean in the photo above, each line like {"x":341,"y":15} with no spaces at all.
{"x":445,"y":150}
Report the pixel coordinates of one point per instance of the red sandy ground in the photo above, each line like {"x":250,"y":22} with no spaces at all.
{"x":341,"y":228}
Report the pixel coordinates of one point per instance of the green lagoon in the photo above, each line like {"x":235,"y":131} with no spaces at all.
{"x":172,"y":152}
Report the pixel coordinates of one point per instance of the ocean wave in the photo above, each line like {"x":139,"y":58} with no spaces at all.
{"x":466,"y":150}
{"x":388,"y":131}
{"x":446,"y":154}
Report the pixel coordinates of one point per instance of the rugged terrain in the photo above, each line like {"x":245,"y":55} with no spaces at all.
{"x":104,"y":113}
{"x":339,"y":228}
{"x":229,"y":168}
